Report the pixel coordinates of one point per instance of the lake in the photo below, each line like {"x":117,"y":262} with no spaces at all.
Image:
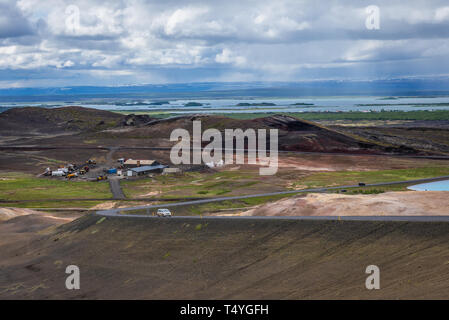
{"x":431,"y":186}
{"x":300,"y":104}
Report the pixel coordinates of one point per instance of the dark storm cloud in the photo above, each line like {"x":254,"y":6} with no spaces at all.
{"x":137,"y":41}
{"x":12,"y":22}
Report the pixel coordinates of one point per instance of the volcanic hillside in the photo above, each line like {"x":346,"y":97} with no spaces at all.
{"x":110,"y":127}
{"x":34,"y":120}
{"x":135,"y":258}
{"x":294,"y":134}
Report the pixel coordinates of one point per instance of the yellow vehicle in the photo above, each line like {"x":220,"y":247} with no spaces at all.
{"x":99,"y":178}
{"x":72,"y":175}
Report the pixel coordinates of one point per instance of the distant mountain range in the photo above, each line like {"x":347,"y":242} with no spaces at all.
{"x":391,"y":87}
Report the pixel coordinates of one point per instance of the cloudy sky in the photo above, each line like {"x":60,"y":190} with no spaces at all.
{"x":89,"y":42}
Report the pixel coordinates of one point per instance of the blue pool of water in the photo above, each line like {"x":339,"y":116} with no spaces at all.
{"x":432,"y":186}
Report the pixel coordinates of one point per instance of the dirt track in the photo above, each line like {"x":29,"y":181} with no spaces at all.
{"x":116,"y":190}
{"x":10,"y":213}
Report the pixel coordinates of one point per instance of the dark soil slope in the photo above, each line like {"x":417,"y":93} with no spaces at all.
{"x":421,"y":136}
{"x":66,"y":119}
{"x":57,"y":120}
{"x":229,"y":259}
{"x":302,"y":135}
{"x":294,"y":134}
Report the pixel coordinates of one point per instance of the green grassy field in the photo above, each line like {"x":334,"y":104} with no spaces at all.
{"x":355,"y":115}
{"x":339,"y":178}
{"x":227,"y":206}
{"x":226,"y":183}
{"x":230,"y":183}
{"x":326,"y":179}
{"x":18,"y":186}
{"x":76,"y":205}
{"x":192,"y":184}
{"x":224,"y":207}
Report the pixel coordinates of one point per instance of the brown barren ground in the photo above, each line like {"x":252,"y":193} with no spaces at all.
{"x":413,"y":203}
{"x":226,"y":259}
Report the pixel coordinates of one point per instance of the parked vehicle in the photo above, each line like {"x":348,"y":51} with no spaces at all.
{"x":99,"y":178}
{"x":163,"y":213}
{"x":362,"y":184}
{"x":72,"y":175}
{"x":58,"y":173}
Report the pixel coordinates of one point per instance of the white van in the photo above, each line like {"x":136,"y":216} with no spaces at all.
{"x":163,"y":213}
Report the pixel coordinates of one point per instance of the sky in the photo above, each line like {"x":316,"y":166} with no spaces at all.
{"x":56,"y":43}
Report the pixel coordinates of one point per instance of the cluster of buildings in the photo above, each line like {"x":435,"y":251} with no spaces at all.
{"x":126,"y":168}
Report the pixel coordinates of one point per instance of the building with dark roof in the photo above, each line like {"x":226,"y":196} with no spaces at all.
{"x":140,"y":171}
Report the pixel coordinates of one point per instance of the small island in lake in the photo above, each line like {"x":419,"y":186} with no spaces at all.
{"x":260,"y":104}
{"x":193,"y":104}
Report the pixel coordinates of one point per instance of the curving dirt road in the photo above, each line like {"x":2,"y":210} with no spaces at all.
{"x":34,"y":148}
{"x":117,"y":212}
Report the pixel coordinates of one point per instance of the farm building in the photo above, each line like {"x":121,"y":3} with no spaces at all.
{"x":134,"y":172}
{"x":131,"y":163}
